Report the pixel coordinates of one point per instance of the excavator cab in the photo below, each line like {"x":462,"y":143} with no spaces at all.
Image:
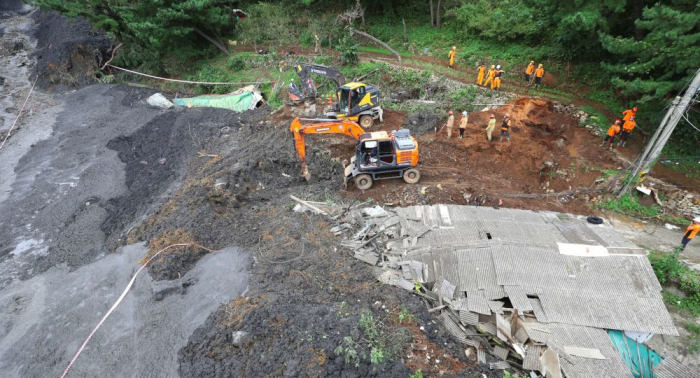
{"x":358,"y":102}
{"x":378,"y":155}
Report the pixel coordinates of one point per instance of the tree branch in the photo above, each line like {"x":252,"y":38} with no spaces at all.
{"x":374,"y":39}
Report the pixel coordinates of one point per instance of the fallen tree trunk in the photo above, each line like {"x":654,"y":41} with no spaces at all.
{"x":213,"y":41}
{"x":374,"y":39}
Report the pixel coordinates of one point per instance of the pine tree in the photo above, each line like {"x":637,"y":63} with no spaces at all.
{"x":658,"y":65}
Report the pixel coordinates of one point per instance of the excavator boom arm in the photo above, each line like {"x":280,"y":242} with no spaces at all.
{"x":303,"y":71}
{"x":299,"y":131}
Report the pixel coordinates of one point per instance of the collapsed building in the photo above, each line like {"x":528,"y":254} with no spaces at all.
{"x":537,"y":291}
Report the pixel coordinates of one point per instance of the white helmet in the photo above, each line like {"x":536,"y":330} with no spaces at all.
{"x":498,"y":67}
{"x":696,"y":219}
{"x":464,"y":113}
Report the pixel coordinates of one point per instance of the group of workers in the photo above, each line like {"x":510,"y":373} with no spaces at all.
{"x":492,"y":77}
{"x":490,"y":127}
{"x":622,"y":127}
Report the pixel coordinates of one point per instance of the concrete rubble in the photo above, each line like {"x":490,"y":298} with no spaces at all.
{"x":519,"y":289}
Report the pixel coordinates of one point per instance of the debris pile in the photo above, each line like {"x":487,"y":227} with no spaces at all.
{"x":520,"y":289}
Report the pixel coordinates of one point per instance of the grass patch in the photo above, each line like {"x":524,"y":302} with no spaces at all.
{"x":377,"y":50}
{"x":669,"y":270}
{"x":629,"y":205}
{"x":694,"y":329}
{"x":379,"y":342}
{"x":597,"y":118}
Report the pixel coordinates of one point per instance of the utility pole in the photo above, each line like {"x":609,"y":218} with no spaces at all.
{"x":663,"y":132}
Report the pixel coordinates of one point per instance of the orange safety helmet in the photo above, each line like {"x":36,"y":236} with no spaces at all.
{"x":450,"y":113}
{"x":617,"y":122}
{"x":507,"y":115}
{"x":492,"y":116}
{"x":635,"y":108}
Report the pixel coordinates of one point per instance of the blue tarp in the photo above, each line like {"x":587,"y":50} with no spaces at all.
{"x":638,"y":357}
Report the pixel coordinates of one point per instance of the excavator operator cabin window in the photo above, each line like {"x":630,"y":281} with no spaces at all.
{"x":386,"y":151}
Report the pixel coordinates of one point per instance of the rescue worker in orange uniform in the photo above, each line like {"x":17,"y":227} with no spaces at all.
{"x":612,"y":132}
{"x":450,"y":124}
{"x":529,"y":71}
{"x":490,"y":127}
{"x":505,"y":127}
{"x":690,"y":233}
{"x":490,"y":75}
{"x":480,"y":74}
{"x":496,"y":83}
{"x":627,"y":128}
{"x":629,"y":113}
{"x":539,"y":74}
{"x":452,"y":55}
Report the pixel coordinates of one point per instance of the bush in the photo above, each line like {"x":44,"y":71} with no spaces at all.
{"x":212,"y":74}
{"x":236,"y":63}
{"x":348,"y":51}
{"x":668,"y":269}
{"x":629,"y":205}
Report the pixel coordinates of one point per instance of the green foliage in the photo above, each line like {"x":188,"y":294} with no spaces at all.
{"x":629,"y":205}
{"x":348,"y":349}
{"x":236,"y":63}
{"x":416,"y":374}
{"x":268,"y":23}
{"x":497,"y":19}
{"x":668,"y":269}
{"x":151,"y":30}
{"x":348,"y":50}
{"x":694,"y":330}
{"x":663,"y":61}
{"x":382,"y":342}
{"x":407,"y":316}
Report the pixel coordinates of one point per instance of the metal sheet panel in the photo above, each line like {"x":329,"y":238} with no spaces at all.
{"x":671,"y":368}
{"x":518,"y":298}
{"x":532,"y":358}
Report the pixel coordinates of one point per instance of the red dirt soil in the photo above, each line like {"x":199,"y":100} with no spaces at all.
{"x":474,"y":171}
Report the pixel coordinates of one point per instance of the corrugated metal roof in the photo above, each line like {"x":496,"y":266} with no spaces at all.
{"x":518,"y":298}
{"x":532,"y":358}
{"x":617,"y":291}
{"x":671,"y":368}
{"x":501,"y":352}
{"x":468,"y":318}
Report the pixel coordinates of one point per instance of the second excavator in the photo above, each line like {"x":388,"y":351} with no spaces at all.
{"x":378,"y":155}
{"x":354,"y":101}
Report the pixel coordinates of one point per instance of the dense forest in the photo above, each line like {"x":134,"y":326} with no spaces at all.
{"x":641,"y":52}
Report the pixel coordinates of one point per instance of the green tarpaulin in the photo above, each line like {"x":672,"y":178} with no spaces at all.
{"x":238,"y":101}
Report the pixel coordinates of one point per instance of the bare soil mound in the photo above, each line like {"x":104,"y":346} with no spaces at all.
{"x":68,"y":51}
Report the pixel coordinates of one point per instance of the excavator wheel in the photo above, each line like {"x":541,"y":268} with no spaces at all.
{"x":366,"y":121}
{"x":363,"y":181}
{"x":411,"y":176}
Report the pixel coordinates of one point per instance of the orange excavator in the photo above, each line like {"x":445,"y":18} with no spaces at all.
{"x":378,"y":155}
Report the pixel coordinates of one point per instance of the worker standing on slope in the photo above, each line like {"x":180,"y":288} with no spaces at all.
{"x":539,"y":74}
{"x":480,"y":74}
{"x":627,"y":128}
{"x":450,"y":123}
{"x":490,"y":127}
{"x":496,"y":83}
{"x":463,"y":124}
{"x":629,"y":113}
{"x":612,"y":132}
{"x":505,"y":127}
{"x":690,"y":233}
{"x":490,"y":75}
{"x":529,"y":71}
{"x":452,"y":55}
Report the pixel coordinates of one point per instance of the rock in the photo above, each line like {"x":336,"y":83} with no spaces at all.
{"x":159,"y":101}
{"x":239,"y":338}
{"x":562,"y":173}
{"x":671,"y":204}
{"x":696,"y":201}
{"x":221,"y":185}
{"x":561,"y":142}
